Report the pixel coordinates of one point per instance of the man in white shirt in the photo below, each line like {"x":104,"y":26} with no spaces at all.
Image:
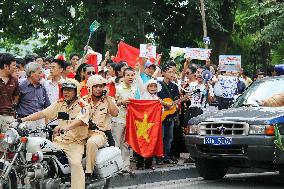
{"x":53,"y":85}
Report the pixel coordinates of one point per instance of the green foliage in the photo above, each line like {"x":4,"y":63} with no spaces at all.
{"x":235,"y":27}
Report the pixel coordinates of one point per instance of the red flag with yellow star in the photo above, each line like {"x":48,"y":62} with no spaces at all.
{"x":144,"y":127}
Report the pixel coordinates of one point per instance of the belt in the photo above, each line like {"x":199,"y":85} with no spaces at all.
{"x":21,"y":116}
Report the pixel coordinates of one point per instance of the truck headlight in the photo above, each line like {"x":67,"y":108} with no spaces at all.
{"x":261,"y":130}
{"x":192,"y":129}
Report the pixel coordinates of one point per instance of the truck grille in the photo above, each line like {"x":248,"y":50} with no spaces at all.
{"x":223,"y":128}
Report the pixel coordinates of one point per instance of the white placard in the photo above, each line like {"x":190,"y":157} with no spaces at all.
{"x":228,"y":86}
{"x":197,"y":53}
{"x":147,"y":51}
{"x":230,"y":63}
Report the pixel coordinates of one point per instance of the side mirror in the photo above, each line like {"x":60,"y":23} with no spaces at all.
{"x":63,"y":116}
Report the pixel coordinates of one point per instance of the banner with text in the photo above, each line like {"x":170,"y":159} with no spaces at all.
{"x":228,"y":86}
{"x":197,"y":53}
{"x":230,"y":63}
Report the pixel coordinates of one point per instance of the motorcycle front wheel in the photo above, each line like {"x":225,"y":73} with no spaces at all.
{"x":11,"y":182}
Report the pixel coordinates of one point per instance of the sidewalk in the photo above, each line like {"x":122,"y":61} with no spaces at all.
{"x":164,"y":172}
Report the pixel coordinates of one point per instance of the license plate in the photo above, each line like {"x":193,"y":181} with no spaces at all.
{"x":217,"y":140}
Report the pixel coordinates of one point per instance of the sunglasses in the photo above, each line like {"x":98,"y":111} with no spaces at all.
{"x":187,"y":73}
{"x":91,"y":73}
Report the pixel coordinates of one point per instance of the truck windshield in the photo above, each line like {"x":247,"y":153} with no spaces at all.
{"x":260,"y":90}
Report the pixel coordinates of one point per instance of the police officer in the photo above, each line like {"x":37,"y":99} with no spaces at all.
{"x":102,"y":108}
{"x":72,"y":130}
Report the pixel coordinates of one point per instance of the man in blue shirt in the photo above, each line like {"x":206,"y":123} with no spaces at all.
{"x":33,"y":95}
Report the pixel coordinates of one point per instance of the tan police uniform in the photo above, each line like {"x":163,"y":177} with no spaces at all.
{"x":72,"y":141}
{"x":100,"y":116}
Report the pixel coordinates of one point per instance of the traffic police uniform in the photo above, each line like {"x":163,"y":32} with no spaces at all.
{"x":72,"y":141}
{"x":100,"y":124}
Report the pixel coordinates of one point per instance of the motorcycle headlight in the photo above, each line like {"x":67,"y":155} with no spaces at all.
{"x":11,"y":136}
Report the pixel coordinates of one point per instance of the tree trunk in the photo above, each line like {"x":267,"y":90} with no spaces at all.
{"x":221,"y":38}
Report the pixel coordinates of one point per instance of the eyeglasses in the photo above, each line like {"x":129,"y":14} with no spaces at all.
{"x":91,"y":73}
{"x":187,"y":73}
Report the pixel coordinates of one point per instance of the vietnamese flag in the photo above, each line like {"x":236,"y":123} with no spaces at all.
{"x":144,"y":127}
{"x":129,"y":54}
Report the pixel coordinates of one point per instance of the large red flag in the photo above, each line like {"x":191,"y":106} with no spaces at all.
{"x":129,"y":54}
{"x":144,"y":127}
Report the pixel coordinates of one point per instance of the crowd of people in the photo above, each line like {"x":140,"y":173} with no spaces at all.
{"x":92,"y":104}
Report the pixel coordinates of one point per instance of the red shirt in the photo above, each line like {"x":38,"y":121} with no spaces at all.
{"x":7,"y":93}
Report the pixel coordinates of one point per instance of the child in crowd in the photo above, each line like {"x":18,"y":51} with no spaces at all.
{"x":148,"y":91}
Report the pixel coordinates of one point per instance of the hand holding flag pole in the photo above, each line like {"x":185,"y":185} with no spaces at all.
{"x":93,"y":27}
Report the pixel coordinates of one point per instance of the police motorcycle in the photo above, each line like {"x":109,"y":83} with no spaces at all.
{"x":36,"y":163}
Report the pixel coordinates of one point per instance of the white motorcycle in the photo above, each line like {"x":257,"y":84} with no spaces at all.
{"x":36,"y":163}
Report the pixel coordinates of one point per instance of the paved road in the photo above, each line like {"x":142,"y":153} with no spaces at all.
{"x":268,"y":180}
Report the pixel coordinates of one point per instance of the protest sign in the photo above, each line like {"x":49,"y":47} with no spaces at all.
{"x":228,"y":86}
{"x":230,"y":63}
{"x":147,"y":51}
{"x":197,"y":53}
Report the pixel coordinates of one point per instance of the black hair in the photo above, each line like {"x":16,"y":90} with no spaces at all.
{"x":73,"y":54}
{"x":172,"y":63}
{"x":39,"y":57}
{"x":82,"y":67}
{"x":67,"y":64}
{"x":29,"y":58}
{"x":117,"y":79}
{"x":61,"y":63}
{"x":118,"y":67}
{"x":6,"y":59}
{"x":111,"y":64}
{"x":127,"y":69}
{"x":192,"y":69}
{"x":20,"y":61}
{"x":49,"y":59}
{"x":165,"y":67}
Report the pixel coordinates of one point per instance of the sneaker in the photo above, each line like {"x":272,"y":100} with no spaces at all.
{"x":151,"y":168}
{"x":159,"y":161}
{"x":173,"y":158}
{"x":169,"y":161}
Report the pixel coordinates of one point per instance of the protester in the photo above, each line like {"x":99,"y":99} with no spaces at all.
{"x":75,"y":129}
{"x":124,"y":92}
{"x":169,"y":90}
{"x":33,"y":95}
{"x":148,"y":91}
{"x":74,"y":58}
{"x":102,"y":108}
{"x":9,"y":95}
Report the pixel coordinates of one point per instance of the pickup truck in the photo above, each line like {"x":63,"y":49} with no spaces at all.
{"x":241,"y":136}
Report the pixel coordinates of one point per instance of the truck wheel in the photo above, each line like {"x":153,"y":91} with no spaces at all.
{"x":281,"y":172}
{"x":11,"y":182}
{"x":211,"y":169}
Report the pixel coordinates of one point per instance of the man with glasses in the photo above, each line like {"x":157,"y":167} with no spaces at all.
{"x":90,"y":70}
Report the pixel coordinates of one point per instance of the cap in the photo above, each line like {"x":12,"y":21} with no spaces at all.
{"x":148,"y":64}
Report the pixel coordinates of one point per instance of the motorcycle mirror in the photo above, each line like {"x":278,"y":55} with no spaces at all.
{"x":63,"y":115}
